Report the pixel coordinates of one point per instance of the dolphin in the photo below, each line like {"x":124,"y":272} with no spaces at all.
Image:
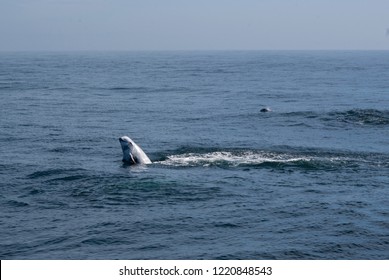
{"x":265,"y":109}
{"x":132,"y":153}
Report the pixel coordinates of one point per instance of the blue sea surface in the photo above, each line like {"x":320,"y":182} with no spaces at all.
{"x":307,"y":180}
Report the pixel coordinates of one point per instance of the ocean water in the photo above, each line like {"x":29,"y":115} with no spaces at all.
{"x":307,"y":180}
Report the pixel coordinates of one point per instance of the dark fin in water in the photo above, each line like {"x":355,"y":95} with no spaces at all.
{"x":264,"y":110}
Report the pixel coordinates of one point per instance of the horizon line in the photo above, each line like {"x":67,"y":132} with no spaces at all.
{"x":187,"y":50}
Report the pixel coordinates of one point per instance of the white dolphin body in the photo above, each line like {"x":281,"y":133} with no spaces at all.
{"x":132,"y":153}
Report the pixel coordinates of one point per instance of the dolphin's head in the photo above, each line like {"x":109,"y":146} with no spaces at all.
{"x":127,"y":147}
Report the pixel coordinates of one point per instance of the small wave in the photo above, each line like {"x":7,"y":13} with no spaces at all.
{"x":51,"y":173}
{"x":304,"y":114}
{"x":363,"y":116}
{"x":141,"y":89}
{"x":135,"y":89}
{"x":70,"y":178}
{"x":16,"y":203}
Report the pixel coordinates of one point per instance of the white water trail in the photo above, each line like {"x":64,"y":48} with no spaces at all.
{"x":230,"y":159}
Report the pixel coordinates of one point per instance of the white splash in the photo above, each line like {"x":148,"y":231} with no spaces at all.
{"x":229,"y":158}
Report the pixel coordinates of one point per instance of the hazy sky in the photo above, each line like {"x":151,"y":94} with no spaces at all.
{"x":193,"y":24}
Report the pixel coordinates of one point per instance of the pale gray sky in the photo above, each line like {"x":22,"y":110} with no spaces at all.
{"x":193,"y":24}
